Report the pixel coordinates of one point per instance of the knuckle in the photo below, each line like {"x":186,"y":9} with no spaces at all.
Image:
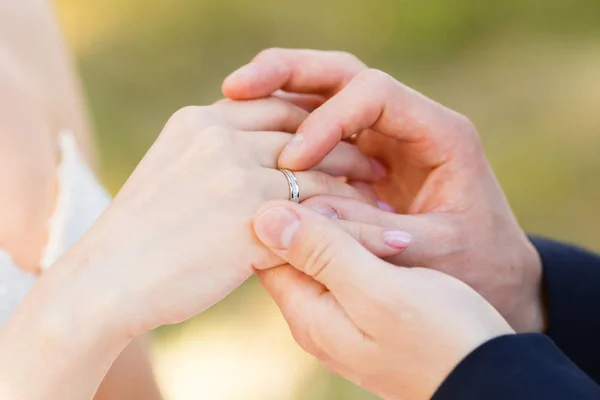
{"x":464,"y":122}
{"x":375,"y":77}
{"x":321,"y":255}
{"x":466,"y":126}
{"x":214,"y":140}
{"x":233,"y":180}
{"x":217,"y":133}
{"x":188,"y":119}
{"x":228,"y":184}
{"x":376,"y":84}
{"x":187,"y":115}
{"x":347,"y":58}
{"x":465,"y":130}
{"x":269,"y":53}
{"x":223,"y":101}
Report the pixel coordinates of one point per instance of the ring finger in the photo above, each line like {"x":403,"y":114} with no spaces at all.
{"x":345,"y":160}
{"x":311,"y":183}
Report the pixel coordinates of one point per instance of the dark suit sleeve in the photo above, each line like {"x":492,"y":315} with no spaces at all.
{"x":561,"y":365}
{"x":517,"y":367}
{"x":572,"y":284}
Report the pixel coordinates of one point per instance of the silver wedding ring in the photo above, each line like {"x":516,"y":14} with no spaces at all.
{"x":293,"y":184}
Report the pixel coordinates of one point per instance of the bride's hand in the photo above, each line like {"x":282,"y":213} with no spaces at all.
{"x":177,"y":237}
{"x":396,"y":331}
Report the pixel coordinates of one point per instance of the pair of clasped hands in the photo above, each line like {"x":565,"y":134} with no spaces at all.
{"x":390,"y":277}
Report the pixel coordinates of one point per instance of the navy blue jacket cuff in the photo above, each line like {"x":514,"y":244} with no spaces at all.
{"x":572,"y":285}
{"x":517,"y":367}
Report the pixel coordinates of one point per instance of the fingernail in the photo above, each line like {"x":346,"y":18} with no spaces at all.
{"x":245,"y":71}
{"x":397,"y":239}
{"x":277,"y":227}
{"x":378,"y":167}
{"x":293,"y":146}
{"x":326,"y":211}
{"x":385,"y":206}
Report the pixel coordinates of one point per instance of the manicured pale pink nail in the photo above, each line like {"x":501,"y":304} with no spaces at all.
{"x":385,"y":206}
{"x":244,"y":72}
{"x":397,"y":239}
{"x":277,"y":227}
{"x":326,"y":211}
{"x":293,"y":146}
{"x":378,"y":167}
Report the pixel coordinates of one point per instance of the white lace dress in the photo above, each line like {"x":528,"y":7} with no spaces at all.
{"x":81,"y":199}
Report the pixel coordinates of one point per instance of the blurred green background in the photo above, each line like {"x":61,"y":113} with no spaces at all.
{"x":526,"y":72}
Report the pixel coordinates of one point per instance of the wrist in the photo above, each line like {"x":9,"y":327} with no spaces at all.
{"x":530,"y":311}
{"x":62,"y":336}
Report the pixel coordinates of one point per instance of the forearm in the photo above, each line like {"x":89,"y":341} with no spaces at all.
{"x":30,"y":33}
{"x":39,"y":97}
{"x":62,"y":340}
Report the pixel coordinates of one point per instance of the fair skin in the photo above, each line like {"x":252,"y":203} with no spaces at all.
{"x":175,"y":227}
{"x":439,"y":180}
{"x":162,"y":218}
{"x":396,"y":331}
{"x":40,"y":96}
{"x":28,"y":173}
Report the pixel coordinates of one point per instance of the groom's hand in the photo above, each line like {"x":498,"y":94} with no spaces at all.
{"x":396,"y":331}
{"x":438,"y":177}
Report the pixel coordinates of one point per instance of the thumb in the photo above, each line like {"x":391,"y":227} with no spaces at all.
{"x":318,"y":247}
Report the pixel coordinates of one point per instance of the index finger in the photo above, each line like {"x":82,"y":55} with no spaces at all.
{"x":374,"y":100}
{"x":292,"y":70}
